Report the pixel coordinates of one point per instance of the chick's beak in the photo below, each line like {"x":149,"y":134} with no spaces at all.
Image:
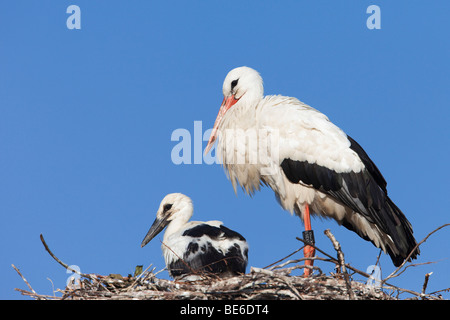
{"x":158,"y":225}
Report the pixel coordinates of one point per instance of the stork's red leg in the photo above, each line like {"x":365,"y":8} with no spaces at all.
{"x":308,"y":251}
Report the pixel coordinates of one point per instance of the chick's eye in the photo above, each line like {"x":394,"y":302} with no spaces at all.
{"x":167,"y":207}
{"x":234,"y":83}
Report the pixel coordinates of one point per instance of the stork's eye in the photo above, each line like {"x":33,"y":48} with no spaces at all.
{"x":167,"y":207}
{"x":234,"y":83}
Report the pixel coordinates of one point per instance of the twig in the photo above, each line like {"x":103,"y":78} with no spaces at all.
{"x":303,"y":266}
{"x":138,"y":277}
{"x":378,"y":258}
{"x":184,"y":262}
{"x":53,"y":287}
{"x":438,"y":291}
{"x":278,"y":261}
{"x":23,"y":278}
{"x":425,"y":283}
{"x":340,"y":254}
{"x":318,"y":249}
{"x":412,"y":265}
{"x":413,"y":250}
{"x":279,"y":266}
{"x":62,"y":263}
{"x":334,"y":260}
{"x":35,"y":295}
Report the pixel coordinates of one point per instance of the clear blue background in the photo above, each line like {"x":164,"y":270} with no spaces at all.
{"x":86,"y":118}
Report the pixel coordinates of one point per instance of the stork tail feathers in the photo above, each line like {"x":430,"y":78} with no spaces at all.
{"x":402,"y":234}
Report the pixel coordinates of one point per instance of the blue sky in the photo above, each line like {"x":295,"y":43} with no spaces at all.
{"x":86,"y":118}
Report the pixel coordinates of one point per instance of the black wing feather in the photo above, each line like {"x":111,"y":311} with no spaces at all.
{"x":213,"y":232}
{"x":364,"y":192}
{"x":368,"y":163}
{"x":205,"y":257}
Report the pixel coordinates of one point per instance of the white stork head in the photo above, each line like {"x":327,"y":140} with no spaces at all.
{"x":174,"y":211}
{"x":242,"y":86}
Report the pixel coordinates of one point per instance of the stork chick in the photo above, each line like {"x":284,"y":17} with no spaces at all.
{"x":192,"y":248}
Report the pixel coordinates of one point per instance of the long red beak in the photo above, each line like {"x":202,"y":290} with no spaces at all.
{"x":227,"y":103}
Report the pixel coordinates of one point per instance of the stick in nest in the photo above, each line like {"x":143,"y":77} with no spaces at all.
{"x":395,"y":273}
{"x":340,"y":254}
{"x":60,"y":262}
{"x":23,"y":278}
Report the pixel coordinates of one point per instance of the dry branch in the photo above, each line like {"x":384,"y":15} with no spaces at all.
{"x":340,"y":254}
{"x":397,"y":271}
{"x":23,"y":278}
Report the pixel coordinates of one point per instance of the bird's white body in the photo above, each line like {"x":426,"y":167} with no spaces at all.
{"x":306,"y":136}
{"x":194,"y":247}
{"x":305,"y":159}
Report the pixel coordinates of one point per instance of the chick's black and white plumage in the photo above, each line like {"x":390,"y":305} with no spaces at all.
{"x":196,"y":247}
{"x":307,"y":161}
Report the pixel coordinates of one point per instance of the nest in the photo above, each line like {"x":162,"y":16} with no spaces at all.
{"x":259,"y":284}
{"x":274,"y":282}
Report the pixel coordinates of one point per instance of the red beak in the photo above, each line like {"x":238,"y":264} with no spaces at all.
{"x":227,"y":103}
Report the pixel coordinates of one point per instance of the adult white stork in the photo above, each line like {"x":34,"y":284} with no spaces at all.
{"x":309,"y":162}
{"x":191,"y":248}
